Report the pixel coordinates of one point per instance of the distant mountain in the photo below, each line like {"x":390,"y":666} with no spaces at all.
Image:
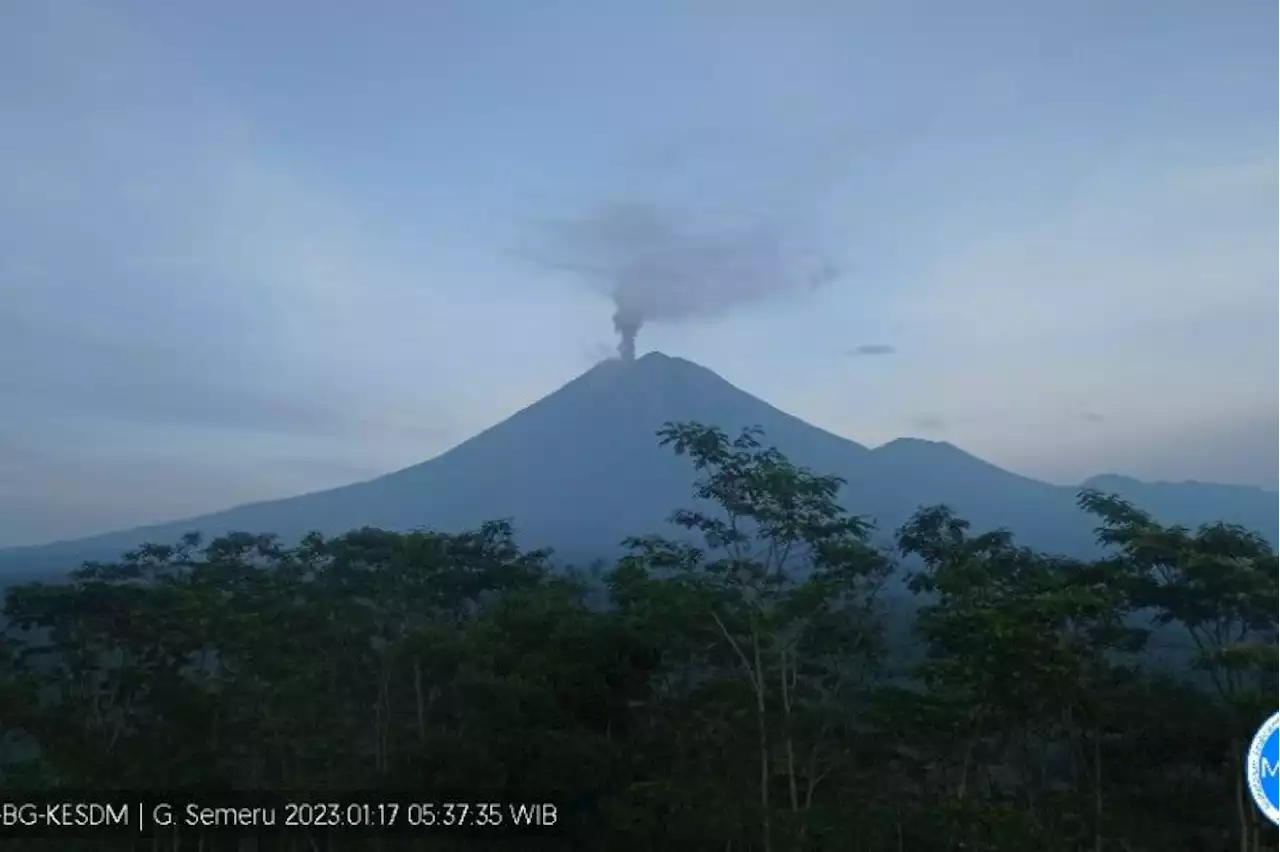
{"x":580,"y":469}
{"x":1195,"y":503}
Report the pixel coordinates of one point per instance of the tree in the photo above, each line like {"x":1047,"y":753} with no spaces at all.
{"x":788,"y":582}
{"x":1026,"y":652}
{"x":1218,"y":586}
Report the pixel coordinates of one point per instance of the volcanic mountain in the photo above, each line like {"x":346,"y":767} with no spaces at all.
{"x":581,"y":469}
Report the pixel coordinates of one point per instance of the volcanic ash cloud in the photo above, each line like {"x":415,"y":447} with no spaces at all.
{"x":657,"y":267}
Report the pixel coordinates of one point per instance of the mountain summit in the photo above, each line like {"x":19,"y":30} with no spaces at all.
{"x":580,"y":469}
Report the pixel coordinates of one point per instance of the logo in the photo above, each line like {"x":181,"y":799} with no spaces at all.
{"x":1262,"y":767}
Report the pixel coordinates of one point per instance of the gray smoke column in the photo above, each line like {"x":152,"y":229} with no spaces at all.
{"x":659,"y":267}
{"x":627,"y":327}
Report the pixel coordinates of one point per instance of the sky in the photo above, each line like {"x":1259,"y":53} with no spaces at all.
{"x":249,"y":250}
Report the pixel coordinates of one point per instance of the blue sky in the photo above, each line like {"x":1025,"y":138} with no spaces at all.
{"x":254,"y":249}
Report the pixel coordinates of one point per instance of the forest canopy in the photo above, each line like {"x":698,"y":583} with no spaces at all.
{"x":747,"y":688}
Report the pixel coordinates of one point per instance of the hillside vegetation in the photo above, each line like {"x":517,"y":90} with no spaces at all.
{"x":686,"y":698}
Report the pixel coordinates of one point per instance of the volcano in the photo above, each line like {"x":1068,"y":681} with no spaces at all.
{"x":580,"y":469}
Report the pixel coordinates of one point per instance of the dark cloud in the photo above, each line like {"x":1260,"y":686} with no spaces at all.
{"x":148,"y":392}
{"x":169,"y":386}
{"x":930,"y":424}
{"x":869,"y":349}
{"x":1091,"y":417}
{"x":1237,"y":447}
{"x":52,"y":493}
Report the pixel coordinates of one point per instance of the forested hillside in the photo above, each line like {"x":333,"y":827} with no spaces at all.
{"x":686,"y":698}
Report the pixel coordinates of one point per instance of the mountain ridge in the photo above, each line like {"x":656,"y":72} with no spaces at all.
{"x":580,"y":469}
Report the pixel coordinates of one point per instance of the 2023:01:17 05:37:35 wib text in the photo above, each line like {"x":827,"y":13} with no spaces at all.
{"x":142,"y":815}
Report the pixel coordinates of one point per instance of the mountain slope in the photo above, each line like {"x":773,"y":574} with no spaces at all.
{"x":909,"y":472}
{"x":580,"y":469}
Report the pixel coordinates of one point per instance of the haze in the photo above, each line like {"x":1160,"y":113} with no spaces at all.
{"x":253,"y":250}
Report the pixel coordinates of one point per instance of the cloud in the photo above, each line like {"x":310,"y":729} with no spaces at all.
{"x":1257,"y":173}
{"x":658,"y":265}
{"x":930,"y":424}
{"x":596,"y":351}
{"x":1112,"y":301}
{"x":871,"y":349}
{"x":48,"y":493}
{"x":185,"y":300}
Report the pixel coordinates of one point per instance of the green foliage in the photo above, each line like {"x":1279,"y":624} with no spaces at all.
{"x":728,"y":691}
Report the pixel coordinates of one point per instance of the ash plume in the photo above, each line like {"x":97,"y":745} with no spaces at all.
{"x":628,"y":327}
{"x":660,"y":267}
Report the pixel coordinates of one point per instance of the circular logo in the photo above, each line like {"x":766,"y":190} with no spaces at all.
{"x":1262,"y":767}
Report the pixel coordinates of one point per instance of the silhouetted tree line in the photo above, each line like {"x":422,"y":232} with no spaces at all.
{"x":739,"y":695}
